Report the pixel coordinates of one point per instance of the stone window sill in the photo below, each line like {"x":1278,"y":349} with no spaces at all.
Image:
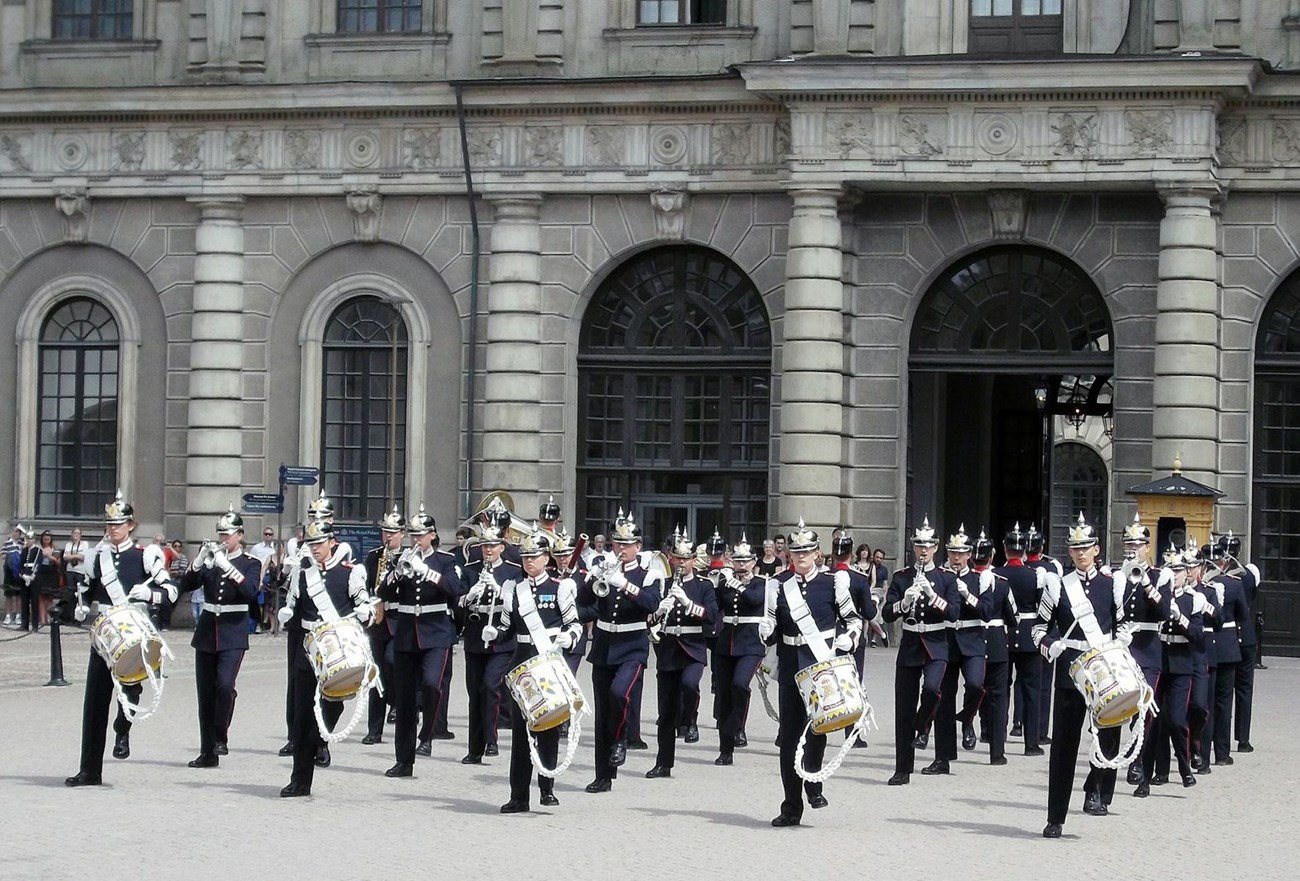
{"x":377,"y":40}
{"x":82,"y":48}
{"x":681,"y":35}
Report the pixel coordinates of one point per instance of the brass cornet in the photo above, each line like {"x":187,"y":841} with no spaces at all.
{"x":599,"y":575}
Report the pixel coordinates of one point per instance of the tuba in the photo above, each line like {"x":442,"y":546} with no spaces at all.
{"x":515,"y":532}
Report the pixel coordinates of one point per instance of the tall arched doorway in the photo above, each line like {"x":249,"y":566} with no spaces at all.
{"x":1275,"y":499}
{"x":674,"y":374}
{"x":1004,"y":340}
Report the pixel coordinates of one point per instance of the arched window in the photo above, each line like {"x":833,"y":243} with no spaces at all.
{"x":1275,"y":498}
{"x":1079,"y":484}
{"x":363,"y":427}
{"x":77,"y":409}
{"x":675,"y":390}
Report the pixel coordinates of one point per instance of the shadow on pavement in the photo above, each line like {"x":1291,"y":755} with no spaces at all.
{"x":744,"y":821}
{"x":993,"y":829}
{"x":256,"y":790}
{"x":43,"y":782}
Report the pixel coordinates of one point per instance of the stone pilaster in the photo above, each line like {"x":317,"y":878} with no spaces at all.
{"x":812,"y":364}
{"x":1186,"y":393}
{"x":212,"y":472}
{"x":511,"y":428}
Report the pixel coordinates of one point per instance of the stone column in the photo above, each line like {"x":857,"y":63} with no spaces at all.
{"x":213,"y":473}
{"x":511,"y":427}
{"x":1186,"y":395}
{"x":812,"y":364}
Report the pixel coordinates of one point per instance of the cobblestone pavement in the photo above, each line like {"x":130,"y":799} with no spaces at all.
{"x":157,"y":818}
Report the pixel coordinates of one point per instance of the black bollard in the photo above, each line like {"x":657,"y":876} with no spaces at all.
{"x":56,"y":653}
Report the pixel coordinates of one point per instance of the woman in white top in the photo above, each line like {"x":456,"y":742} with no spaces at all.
{"x":75,"y":552}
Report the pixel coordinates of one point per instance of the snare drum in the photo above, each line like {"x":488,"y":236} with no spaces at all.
{"x":545,"y":690}
{"x":1111,"y":683}
{"x":127,"y":641}
{"x":340,"y":655}
{"x":832,"y":694}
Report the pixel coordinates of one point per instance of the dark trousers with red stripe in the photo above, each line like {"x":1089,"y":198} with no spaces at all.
{"x":214,"y":680}
{"x":971,"y":668}
{"x":734,"y":682}
{"x":1174,"y":696}
{"x":1244,"y":688}
{"x":993,"y":711}
{"x":411,"y":671}
{"x":1224,"y":677}
{"x":484,"y":675}
{"x":916,"y":697}
{"x":679,"y":700}
{"x":521,"y":763}
{"x":305,"y":734}
{"x":1029,"y":709}
{"x":433,"y":703}
{"x":633,"y":727}
{"x":613,"y":690}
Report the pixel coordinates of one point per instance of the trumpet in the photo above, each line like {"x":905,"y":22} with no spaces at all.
{"x":406,"y":564}
{"x":1135,"y":571}
{"x":599,"y":575}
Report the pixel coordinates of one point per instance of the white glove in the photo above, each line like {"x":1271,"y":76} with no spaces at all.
{"x":963,"y":589}
{"x":140,"y":593}
{"x":80,"y":612}
{"x":844,"y":642}
{"x":1124,"y":635}
{"x":765,"y":629}
{"x":928,"y":589}
{"x":28,"y":579}
{"x":284,"y":614}
{"x":617,"y":580}
{"x":490,"y":633}
{"x":365,"y":613}
{"x":1055,"y":650}
{"x":475,"y":593}
{"x":679,"y":593}
{"x":910,"y":596}
{"x":221,"y":560}
{"x":566,"y":640}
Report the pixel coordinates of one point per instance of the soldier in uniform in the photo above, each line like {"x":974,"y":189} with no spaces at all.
{"x":716,"y":568}
{"x":548,"y":517}
{"x":1146,"y":607}
{"x":381,"y":568}
{"x":418,"y":601}
{"x":1026,"y":586}
{"x":1230,"y":596}
{"x":993,"y":711}
{"x":487,"y":653}
{"x":742,"y":603}
{"x":1244,"y":686}
{"x":687,"y":612}
{"x":1178,"y":632}
{"x":1200,"y":719}
{"x":863,"y":599}
{"x":1051,"y":569}
{"x":823,"y":599}
{"x":320,"y":508}
{"x":228,"y":578}
{"x":538,"y":603}
{"x":1059,"y":635}
{"x":121,"y":571}
{"x":618,"y":600}
{"x":966,"y":654}
{"x":926,"y":599}
{"x":325,"y":586}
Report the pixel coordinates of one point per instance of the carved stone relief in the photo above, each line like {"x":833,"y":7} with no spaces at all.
{"x":186,"y":150}
{"x":74,"y":207}
{"x":669,"y":208}
{"x":605,"y":145}
{"x":668,"y":145}
{"x":544,"y":145}
{"x":71,"y":152}
{"x":128,"y":151}
{"x":922,"y":135}
{"x":421,"y":148}
{"x":1076,"y":134}
{"x":1007,"y":212}
{"x":302,"y":148}
{"x":484,"y":145}
{"x":850,"y":135}
{"x":732,"y":143}
{"x":365,"y":206}
{"x":244,"y":149}
{"x":1149,"y":130}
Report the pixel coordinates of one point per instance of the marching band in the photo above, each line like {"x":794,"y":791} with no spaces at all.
{"x":1148,"y":659}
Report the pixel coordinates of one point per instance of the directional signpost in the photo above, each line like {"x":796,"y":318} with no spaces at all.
{"x":263,"y":503}
{"x":298,"y":475}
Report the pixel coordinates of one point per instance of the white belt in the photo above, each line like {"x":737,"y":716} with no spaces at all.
{"x":966,"y":625}
{"x":620,"y":628}
{"x":996,"y":622}
{"x":552,"y":632}
{"x":1173,"y":638}
{"x":1153,"y":626}
{"x":924,"y":628}
{"x":221,"y":610}
{"x":483,"y":608}
{"x":799,"y":640}
{"x":1079,"y":645}
{"x":390,"y":606}
{"x":683,"y":630}
{"x":1026,"y":616}
{"x":742,"y":619}
{"x":1232,"y":624}
{"x":417,"y":610}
